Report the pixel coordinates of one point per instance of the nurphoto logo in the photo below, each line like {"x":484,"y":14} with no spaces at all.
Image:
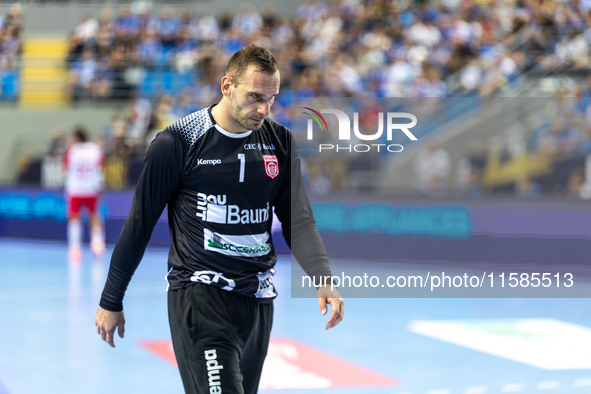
{"x":344,"y":131}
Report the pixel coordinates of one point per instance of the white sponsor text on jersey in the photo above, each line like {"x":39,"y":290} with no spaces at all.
{"x":213,"y":208}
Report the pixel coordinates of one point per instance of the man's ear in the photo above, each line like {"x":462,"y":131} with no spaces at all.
{"x":227,"y":84}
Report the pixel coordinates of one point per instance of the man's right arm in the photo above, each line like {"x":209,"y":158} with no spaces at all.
{"x":160,"y":178}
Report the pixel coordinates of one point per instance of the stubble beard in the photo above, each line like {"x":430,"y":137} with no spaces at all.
{"x":243,"y":121}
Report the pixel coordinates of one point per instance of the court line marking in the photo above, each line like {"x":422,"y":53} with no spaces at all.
{"x":548,"y":384}
{"x":512,"y":388}
{"x":584,"y":382}
{"x":476,"y":390}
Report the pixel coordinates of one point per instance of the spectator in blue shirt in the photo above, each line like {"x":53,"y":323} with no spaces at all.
{"x":127,"y":26}
{"x":150,"y":50}
{"x":168,"y":28}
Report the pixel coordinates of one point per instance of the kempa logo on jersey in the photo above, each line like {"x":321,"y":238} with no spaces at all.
{"x":203,"y":162}
{"x":213,"y":208}
{"x":345,"y":130}
{"x":213,"y":371}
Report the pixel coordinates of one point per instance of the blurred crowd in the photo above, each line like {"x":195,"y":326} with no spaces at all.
{"x":339,"y":48}
{"x":11,"y":28}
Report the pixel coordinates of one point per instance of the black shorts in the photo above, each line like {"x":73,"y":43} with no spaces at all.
{"x":220,"y":339}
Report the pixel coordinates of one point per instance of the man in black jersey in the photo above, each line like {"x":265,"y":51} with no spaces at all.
{"x":221,"y":170}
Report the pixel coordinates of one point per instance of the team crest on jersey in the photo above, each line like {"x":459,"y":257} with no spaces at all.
{"x":271,"y":165}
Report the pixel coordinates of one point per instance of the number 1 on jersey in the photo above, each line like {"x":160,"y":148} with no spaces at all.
{"x":242,"y":161}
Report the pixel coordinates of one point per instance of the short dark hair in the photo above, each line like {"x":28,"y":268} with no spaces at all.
{"x":252,"y":55}
{"x":80,"y":134}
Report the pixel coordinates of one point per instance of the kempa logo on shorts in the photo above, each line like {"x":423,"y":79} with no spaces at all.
{"x":202,"y":162}
{"x":213,"y":371}
{"x":345,"y":130}
{"x":213,"y":209}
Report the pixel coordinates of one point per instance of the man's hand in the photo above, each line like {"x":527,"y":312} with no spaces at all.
{"x":106,"y":322}
{"x":333,"y":297}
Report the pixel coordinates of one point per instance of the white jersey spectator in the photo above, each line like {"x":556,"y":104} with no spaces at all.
{"x":84,"y":163}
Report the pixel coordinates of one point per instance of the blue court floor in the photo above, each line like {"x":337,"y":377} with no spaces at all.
{"x":48,"y":341}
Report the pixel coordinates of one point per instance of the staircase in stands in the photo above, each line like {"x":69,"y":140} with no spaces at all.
{"x":44,"y":75}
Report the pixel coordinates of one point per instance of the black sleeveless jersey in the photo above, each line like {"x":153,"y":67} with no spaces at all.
{"x":221,"y":189}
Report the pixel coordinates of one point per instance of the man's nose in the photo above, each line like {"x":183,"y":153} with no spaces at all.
{"x":263,"y":109}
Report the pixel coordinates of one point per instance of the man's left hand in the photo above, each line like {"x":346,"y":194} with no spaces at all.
{"x":333,"y":297}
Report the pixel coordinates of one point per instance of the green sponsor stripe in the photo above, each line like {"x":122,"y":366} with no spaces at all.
{"x":214,"y":244}
{"x":239,"y":248}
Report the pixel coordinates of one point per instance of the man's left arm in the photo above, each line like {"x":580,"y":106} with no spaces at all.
{"x":293,"y":209}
